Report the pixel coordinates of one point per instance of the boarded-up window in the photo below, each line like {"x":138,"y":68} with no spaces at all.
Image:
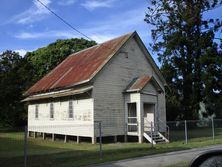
{"x":70,"y":109}
{"x":51,"y":110}
{"x":36,"y":111}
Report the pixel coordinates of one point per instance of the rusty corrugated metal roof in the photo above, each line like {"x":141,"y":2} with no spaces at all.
{"x":79,"y":67}
{"x":139,"y":83}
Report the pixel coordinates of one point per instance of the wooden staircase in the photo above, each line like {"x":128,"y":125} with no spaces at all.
{"x":152,"y":133}
{"x":155,"y":137}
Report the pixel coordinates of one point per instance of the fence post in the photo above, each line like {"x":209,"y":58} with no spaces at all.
{"x":125,"y":136}
{"x":100,"y":140}
{"x":185,"y":129}
{"x":212,"y":121}
{"x":25,"y":146}
{"x":152,"y":134}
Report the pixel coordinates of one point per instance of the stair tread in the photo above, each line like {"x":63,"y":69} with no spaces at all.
{"x":156,"y":137}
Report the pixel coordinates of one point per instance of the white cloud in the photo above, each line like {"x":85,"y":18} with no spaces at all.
{"x":93,"y":4}
{"x":62,"y":34}
{"x":66,"y":2}
{"x":100,"y":31}
{"x":35,"y":13}
{"x":101,"y":38}
{"x":22,"y":52}
{"x":46,"y":35}
{"x":119,"y":25}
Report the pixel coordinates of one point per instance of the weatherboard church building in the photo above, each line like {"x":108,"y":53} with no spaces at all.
{"x":116,"y":83}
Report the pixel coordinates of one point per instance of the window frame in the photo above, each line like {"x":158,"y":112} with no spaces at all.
{"x":36,"y":111}
{"x":51,"y":111}
{"x":70,"y":110}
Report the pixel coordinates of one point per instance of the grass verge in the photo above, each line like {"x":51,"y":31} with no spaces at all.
{"x":59,"y":154}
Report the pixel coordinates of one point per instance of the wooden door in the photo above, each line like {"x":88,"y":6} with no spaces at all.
{"x":149,"y":110}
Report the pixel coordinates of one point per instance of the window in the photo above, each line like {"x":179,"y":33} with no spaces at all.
{"x":51,"y":110}
{"x":70,"y":109}
{"x":36,"y":111}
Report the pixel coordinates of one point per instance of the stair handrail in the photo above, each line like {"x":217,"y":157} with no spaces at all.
{"x":151,"y":126}
{"x":147,"y":124}
{"x":167,"y":128}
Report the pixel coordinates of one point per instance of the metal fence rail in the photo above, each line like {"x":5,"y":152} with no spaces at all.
{"x":22,"y":149}
{"x":190,"y":129}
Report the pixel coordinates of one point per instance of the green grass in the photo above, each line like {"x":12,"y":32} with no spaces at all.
{"x":59,"y":154}
{"x":181,"y":164}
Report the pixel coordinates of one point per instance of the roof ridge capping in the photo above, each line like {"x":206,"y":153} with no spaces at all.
{"x":92,"y":62}
{"x":103,"y":43}
{"x":114,"y":51}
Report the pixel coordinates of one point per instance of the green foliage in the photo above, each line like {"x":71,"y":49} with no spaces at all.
{"x":45,"y":59}
{"x":13,"y":80}
{"x":190,"y":53}
{"x":18,"y":73}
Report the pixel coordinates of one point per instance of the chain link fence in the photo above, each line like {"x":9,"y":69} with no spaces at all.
{"x":192,"y":129}
{"x":38,"y":146}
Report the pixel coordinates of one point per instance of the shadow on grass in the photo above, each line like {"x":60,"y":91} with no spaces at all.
{"x":82,"y":157}
{"x":58,"y":154}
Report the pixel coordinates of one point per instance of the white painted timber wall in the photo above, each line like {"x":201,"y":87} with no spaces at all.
{"x":80,"y":125}
{"x":109,"y":84}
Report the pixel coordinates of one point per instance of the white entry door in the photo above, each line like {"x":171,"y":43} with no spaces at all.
{"x":149,"y":110}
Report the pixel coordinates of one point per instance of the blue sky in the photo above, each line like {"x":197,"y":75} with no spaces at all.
{"x":25,"y":25}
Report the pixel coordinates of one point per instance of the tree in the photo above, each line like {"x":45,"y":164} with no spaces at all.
{"x":190,"y":54}
{"x":18,"y":73}
{"x":13,"y":81}
{"x":45,"y":59}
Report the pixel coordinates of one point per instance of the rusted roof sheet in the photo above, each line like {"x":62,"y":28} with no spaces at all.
{"x":139,"y":83}
{"x":79,"y":67}
{"x":58,"y":94}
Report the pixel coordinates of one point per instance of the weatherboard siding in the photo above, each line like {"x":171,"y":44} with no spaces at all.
{"x":149,"y":88}
{"x":110,"y":83}
{"x":108,"y":100}
{"x":162,"y":109}
{"x":80,"y":125}
{"x":151,"y":95}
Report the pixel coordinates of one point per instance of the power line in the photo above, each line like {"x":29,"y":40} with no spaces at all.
{"x":68,"y":24}
{"x":64,"y":21}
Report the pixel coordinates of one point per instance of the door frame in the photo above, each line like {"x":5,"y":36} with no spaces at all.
{"x":154,"y":114}
{"x":127,"y":118}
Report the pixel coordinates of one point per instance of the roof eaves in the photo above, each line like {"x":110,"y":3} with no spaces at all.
{"x":146,"y":82}
{"x":115,"y":51}
{"x":132,"y":91}
{"x":130,"y":84}
{"x":64,"y":88}
{"x":79,"y":83}
{"x":152,"y":79}
{"x":57,"y":94}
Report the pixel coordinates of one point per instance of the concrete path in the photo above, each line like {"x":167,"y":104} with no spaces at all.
{"x":160,"y":160}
